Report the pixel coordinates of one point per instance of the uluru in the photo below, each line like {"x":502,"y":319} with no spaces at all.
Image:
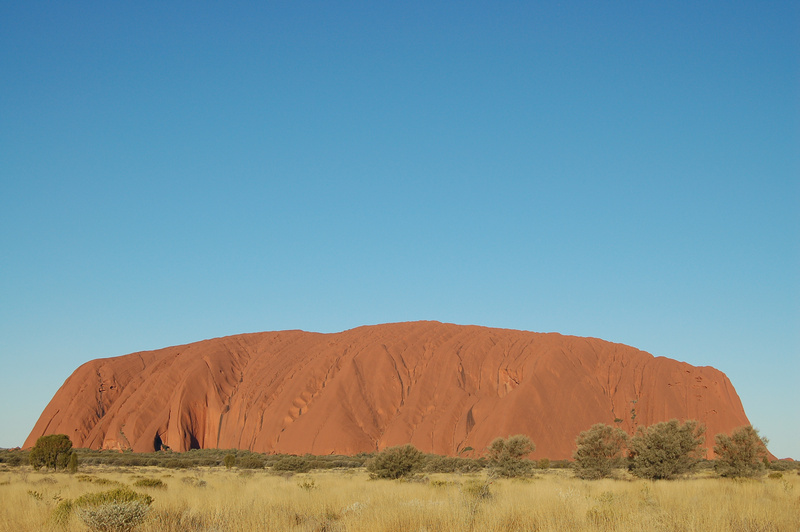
{"x":443,"y":388}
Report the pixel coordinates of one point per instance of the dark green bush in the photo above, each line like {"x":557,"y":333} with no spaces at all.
{"x":72,"y":465}
{"x":296,"y":464}
{"x":14,"y":458}
{"x":666,"y":450}
{"x":783,"y":465}
{"x":742,"y":454}
{"x":53,"y":452}
{"x":507,"y":457}
{"x":395,"y":462}
{"x":252,"y":461}
{"x":599,"y":451}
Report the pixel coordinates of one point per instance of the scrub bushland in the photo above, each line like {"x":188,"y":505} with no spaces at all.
{"x":216,"y":498}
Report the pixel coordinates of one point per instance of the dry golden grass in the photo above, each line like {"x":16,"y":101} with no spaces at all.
{"x":221,"y":500}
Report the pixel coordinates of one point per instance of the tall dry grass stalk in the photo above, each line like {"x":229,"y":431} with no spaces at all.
{"x":222,"y":500}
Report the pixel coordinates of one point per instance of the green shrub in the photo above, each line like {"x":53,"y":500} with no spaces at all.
{"x":14,"y":458}
{"x":599,"y":451}
{"x":252,"y":461}
{"x":395,"y":462}
{"x":53,"y":452}
{"x":450,"y":464}
{"x":72,"y":465}
{"x":115,"y":495}
{"x":741,"y":454}
{"x":117,"y":510}
{"x":296,"y":464}
{"x":780,"y":465}
{"x":150,"y":483}
{"x":507,"y":457}
{"x":666,"y":450}
{"x":544,"y":463}
{"x":114,"y":516}
{"x":229,"y":461}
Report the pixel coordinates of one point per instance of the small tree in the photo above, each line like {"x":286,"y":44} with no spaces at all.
{"x":666,"y":450}
{"x":229,"y":460}
{"x":72,"y":465}
{"x":599,"y":451}
{"x":395,"y":462}
{"x":53,"y":451}
{"x":741,"y":454}
{"x":507,"y":457}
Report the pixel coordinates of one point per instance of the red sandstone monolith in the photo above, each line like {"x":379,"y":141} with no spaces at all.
{"x":440,"y":387}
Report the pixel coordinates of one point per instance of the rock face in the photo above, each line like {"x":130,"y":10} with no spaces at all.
{"x":441,"y":387}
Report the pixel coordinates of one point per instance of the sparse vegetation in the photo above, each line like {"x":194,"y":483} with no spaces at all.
{"x":188,"y":460}
{"x":307,"y":484}
{"x":345,"y":499}
{"x":666,"y":450}
{"x":95,"y":480}
{"x":451,"y":464}
{"x":443,"y":493}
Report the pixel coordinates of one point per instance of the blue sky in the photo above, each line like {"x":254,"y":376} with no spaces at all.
{"x":628,"y":171}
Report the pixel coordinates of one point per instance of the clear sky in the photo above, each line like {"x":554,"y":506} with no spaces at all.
{"x":171,"y":172}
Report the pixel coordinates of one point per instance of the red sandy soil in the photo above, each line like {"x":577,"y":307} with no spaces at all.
{"x":440,"y":387}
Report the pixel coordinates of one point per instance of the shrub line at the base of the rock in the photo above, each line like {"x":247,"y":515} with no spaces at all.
{"x":661,"y":451}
